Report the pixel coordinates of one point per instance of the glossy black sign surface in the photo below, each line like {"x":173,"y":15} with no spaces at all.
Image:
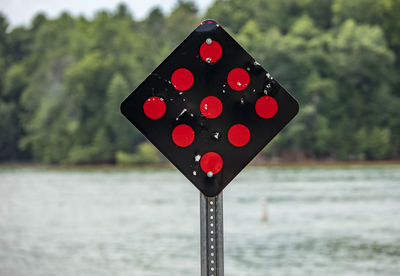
{"x":179,"y":105}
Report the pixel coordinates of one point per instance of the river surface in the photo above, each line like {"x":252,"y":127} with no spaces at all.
{"x":321,"y":221}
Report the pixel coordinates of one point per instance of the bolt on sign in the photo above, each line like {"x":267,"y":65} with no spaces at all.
{"x":209,"y":107}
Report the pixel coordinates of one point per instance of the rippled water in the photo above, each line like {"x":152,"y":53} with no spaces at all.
{"x":322,"y":221}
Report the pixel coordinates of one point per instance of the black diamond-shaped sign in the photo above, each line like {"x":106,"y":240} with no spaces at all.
{"x":209,"y":107}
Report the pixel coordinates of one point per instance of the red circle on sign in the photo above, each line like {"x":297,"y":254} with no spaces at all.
{"x":210,"y":52}
{"x":266,"y":107}
{"x":239,"y":135}
{"x":211,"y":162}
{"x":154,"y":107}
{"x":211,"y":107}
{"x":182,"y":79}
{"x":238,"y":79}
{"x":183,"y":135}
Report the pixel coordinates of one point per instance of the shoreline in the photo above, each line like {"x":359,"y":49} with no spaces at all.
{"x":308,"y":164}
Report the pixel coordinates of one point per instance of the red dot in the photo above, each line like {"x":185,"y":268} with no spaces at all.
{"x":154,"y":107}
{"x":211,"y":162}
{"x":239,"y":135}
{"x":183,"y":135}
{"x":182,"y":79}
{"x":211,"y":107}
{"x":266,"y":107}
{"x":238,"y":79}
{"x":210,"y":52}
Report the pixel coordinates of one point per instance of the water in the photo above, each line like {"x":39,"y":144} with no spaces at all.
{"x":322,"y":221}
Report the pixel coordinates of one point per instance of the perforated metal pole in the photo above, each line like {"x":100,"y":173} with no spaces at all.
{"x":211,"y":235}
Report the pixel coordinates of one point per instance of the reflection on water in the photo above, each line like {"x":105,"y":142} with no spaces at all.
{"x":321,"y":221}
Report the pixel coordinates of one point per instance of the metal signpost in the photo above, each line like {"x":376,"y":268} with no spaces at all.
{"x":209,"y":107}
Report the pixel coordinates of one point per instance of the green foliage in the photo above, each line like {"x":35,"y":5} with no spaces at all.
{"x":374,"y":143}
{"x":181,"y":22}
{"x":145,"y":154}
{"x":62,"y":80}
{"x":3,"y":48}
{"x":122,"y":135}
{"x":15,"y":82}
{"x":364,"y":11}
{"x":9,"y":131}
{"x":99,"y":150}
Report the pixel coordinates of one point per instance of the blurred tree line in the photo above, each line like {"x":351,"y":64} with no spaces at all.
{"x":62,"y":80}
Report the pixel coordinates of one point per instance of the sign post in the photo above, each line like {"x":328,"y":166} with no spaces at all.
{"x":210,"y":108}
{"x":211,"y":235}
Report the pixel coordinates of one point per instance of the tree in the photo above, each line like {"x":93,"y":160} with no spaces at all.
{"x":62,"y":79}
{"x":123,"y":136}
{"x":3,"y":48}
{"x":182,"y":20}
